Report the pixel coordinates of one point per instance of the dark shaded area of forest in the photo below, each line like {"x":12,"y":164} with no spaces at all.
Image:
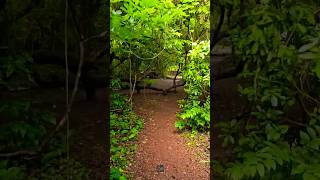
{"x":265,"y":97}
{"x":46,"y":46}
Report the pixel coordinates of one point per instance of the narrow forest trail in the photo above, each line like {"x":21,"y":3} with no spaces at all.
{"x":159,"y":143}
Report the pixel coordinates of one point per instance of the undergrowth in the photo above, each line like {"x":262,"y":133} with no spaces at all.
{"x":124,"y":128}
{"x":279,"y":138}
{"x":25,"y":128}
{"x":200,"y":143}
{"x":195,"y":108}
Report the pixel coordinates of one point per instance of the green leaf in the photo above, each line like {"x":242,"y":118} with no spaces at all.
{"x":260,"y":169}
{"x":311,"y":132}
{"x":269,"y":164}
{"x":298,"y":169}
{"x":122,"y":178}
{"x":235,"y":172}
{"x":274,"y":101}
{"x":270,"y":56}
{"x":180,"y":124}
{"x":308,"y":176}
{"x":306,"y":47}
{"x":309,"y":55}
{"x":317,"y":128}
{"x":316,"y":69}
{"x":304,"y":137}
{"x":283,"y":129}
{"x":315,"y":143}
{"x":3,"y":164}
{"x":251,"y":170}
{"x":273,"y":165}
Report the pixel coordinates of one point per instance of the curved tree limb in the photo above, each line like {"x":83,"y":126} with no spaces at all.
{"x":74,"y":92}
{"x":101,"y":35}
{"x":214,"y":39}
{"x":18,"y":153}
{"x":62,"y":121}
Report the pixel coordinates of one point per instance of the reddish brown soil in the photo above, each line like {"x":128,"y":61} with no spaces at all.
{"x":160,"y":143}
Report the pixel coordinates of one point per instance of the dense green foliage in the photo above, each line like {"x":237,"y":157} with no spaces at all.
{"x":143,"y":33}
{"x":124,"y":128}
{"x":33,"y":32}
{"x":151,"y":36}
{"x":195,"y":109}
{"x":14,"y":71}
{"x":280,"y":139}
{"x":26,"y":130}
{"x":24,"y":127}
{"x":158,"y":36}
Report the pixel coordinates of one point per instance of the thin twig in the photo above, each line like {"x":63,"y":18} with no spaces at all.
{"x":305,"y":94}
{"x":134,"y":85}
{"x":295,"y":122}
{"x":63,"y":120}
{"x":101,"y":35}
{"x":289,"y":38}
{"x":145,"y":58}
{"x":18,"y":153}
{"x":74,"y":92}
{"x":67,"y":82}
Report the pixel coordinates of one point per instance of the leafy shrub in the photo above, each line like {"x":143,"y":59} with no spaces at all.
{"x":15,"y":71}
{"x":124,"y":128}
{"x":281,"y":52}
{"x":115,"y":173}
{"x":195,"y":109}
{"x":62,"y":168}
{"x":25,"y":130}
{"x":11,"y":172}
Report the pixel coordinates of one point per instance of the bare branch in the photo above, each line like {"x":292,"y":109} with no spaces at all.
{"x":101,"y":35}
{"x":214,"y":38}
{"x":18,"y":153}
{"x":74,"y":92}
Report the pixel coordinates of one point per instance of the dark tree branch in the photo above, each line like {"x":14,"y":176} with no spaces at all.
{"x":214,"y":38}
{"x":170,"y":89}
{"x":18,"y":153}
{"x":101,"y":35}
{"x":74,"y":92}
{"x":294,"y":122}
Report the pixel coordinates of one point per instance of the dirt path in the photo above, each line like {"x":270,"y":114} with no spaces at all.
{"x":160,"y":144}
